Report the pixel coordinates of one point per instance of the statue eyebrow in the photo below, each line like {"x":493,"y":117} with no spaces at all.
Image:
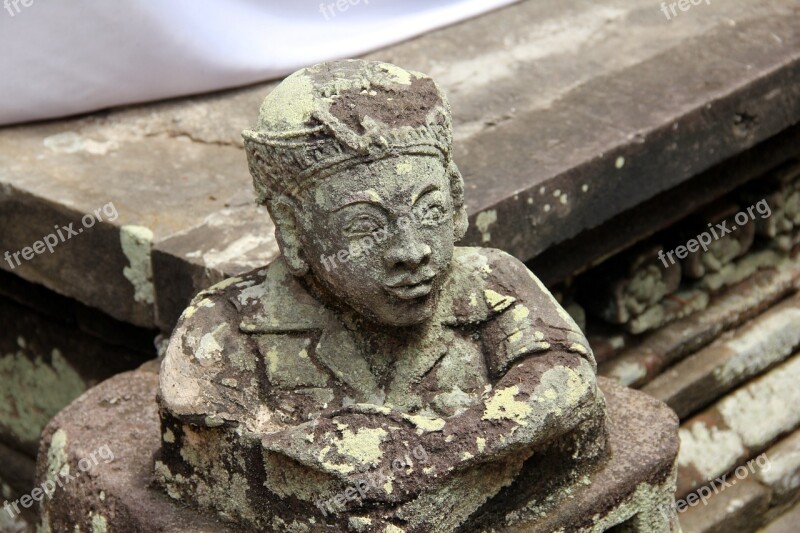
{"x":428,"y":188}
{"x":362,"y":197}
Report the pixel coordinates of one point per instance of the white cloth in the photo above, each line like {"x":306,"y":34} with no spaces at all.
{"x":60,"y":57}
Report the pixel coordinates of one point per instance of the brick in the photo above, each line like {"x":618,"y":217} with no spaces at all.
{"x":740,"y":425}
{"x":783,"y":474}
{"x":729,"y":309}
{"x":738,"y":508}
{"x":731,"y":360}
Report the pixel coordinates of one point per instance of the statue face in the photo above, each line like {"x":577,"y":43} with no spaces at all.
{"x":380,"y":237}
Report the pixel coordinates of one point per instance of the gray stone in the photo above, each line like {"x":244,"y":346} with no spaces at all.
{"x":121,"y":413}
{"x":740,"y":425}
{"x":734,"y":358}
{"x":372,"y":337}
{"x":541,"y":165}
{"x":642,"y":362}
{"x":113,"y":428}
{"x":738,"y":509}
{"x":783,"y":476}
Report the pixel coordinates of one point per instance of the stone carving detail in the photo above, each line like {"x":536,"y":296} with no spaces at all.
{"x":375,"y":377}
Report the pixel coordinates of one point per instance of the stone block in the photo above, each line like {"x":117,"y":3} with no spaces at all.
{"x":121,"y":414}
{"x":734,"y":358}
{"x":44,"y":365}
{"x":738,"y":509}
{"x":738,"y":426}
{"x":641,"y":363}
{"x":783,"y":475}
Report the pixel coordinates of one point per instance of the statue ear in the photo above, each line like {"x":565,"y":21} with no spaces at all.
{"x":460,"y":218}
{"x":287,"y":232}
{"x":460,"y":223}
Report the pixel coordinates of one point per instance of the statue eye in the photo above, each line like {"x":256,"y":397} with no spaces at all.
{"x":431,"y":214}
{"x":362,"y":225}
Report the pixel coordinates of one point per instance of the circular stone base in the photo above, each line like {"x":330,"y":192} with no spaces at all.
{"x":99,"y":454}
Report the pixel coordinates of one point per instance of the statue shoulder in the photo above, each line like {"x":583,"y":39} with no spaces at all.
{"x":523,"y":316}
{"x":208,"y":358}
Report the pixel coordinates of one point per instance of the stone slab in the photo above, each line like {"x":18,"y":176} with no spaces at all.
{"x":44,"y":365}
{"x":76,"y":315}
{"x":785,"y":523}
{"x":620,"y":92}
{"x":739,"y":426}
{"x":734,"y":358}
{"x":783,"y":476}
{"x":121,"y":413}
{"x":738,"y":509}
{"x":642,"y":362}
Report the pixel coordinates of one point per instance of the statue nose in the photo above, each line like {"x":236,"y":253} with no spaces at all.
{"x":410,"y":254}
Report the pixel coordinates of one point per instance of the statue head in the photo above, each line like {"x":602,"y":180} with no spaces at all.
{"x":353,"y":160}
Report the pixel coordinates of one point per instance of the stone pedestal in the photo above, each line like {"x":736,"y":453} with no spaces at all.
{"x":95,"y":492}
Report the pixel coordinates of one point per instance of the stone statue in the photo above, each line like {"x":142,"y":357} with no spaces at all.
{"x":375,"y":377}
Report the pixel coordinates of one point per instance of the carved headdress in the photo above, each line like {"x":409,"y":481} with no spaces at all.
{"x":329,"y":117}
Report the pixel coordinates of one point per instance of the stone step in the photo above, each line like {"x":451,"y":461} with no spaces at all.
{"x":785,"y":523}
{"x":739,"y":426}
{"x":44,"y":365}
{"x":783,"y":474}
{"x":642,"y":362}
{"x":739,"y":508}
{"x":731,"y":360}
{"x":618,"y":94}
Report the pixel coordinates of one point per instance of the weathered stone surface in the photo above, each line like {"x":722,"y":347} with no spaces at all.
{"x":663,"y":211}
{"x":17,"y":471}
{"x":372,"y":337}
{"x":627,"y":285}
{"x":44,"y":365}
{"x":606,"y":343}
{"x":644,"y":361}
{"x":740,"y":425}
{"x":119,"y":414}
{"x":674,"y":307}
{"x":530,"y":186}
{"x":641,"y":433}
{"x":228,"y":243}
{"x":737,"y":509}
{"x":785,"y":523}
{"x":16,"y":480}
{"x":76,"y":315}
{"x":731,"y":360}
{"x":783,"y":476}
{"x":781,"y":190}
{"x":720,"y":252}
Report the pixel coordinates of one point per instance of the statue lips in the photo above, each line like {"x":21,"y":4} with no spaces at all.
{"x":410,"y":289}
